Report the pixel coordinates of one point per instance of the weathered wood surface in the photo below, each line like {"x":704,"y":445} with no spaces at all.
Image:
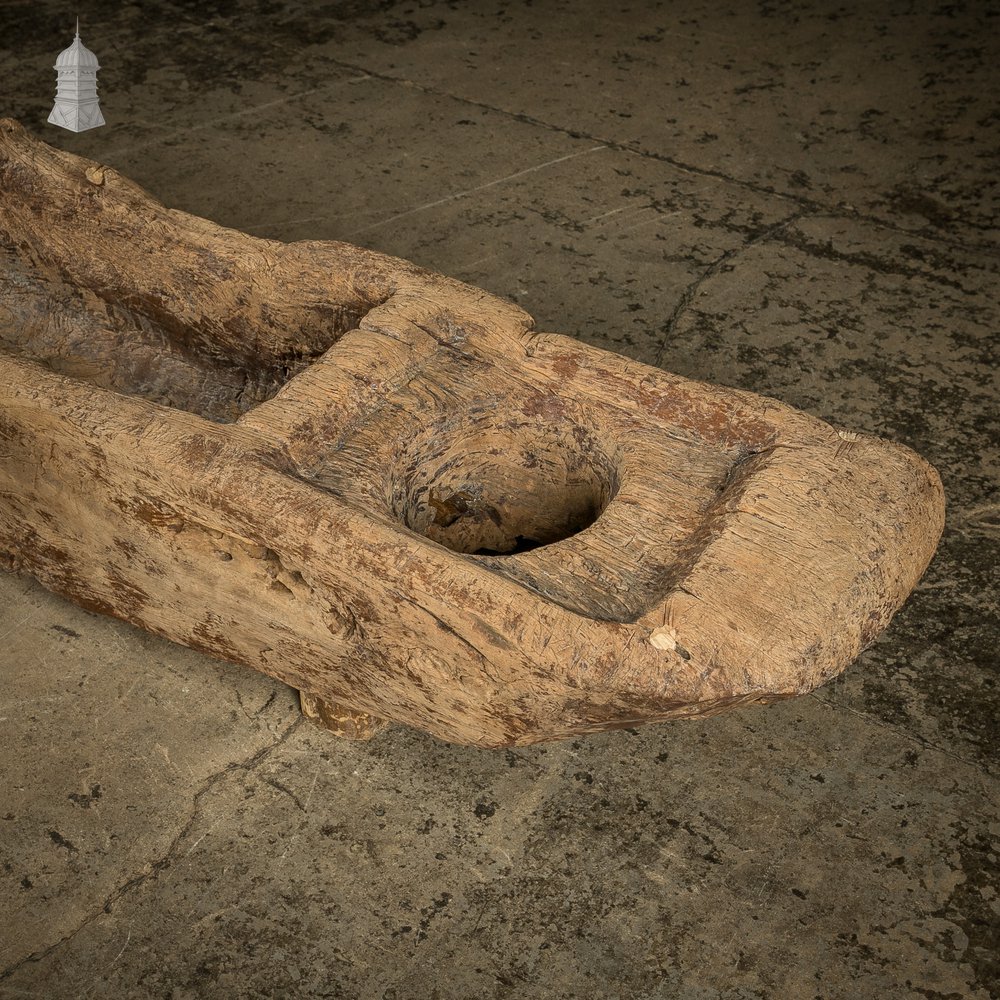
{"x":383,"y":487}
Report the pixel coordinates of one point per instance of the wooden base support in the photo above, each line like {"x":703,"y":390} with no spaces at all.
{"x":341,"y":720}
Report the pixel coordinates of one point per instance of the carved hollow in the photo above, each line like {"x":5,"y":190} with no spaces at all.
{"x":489,"y":483}
{"x":384,"y":488}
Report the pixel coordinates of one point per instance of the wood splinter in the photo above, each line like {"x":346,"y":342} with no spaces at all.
{"x":386,"y":489}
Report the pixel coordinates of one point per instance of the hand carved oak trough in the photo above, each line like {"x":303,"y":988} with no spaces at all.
{"x":381,"y":486}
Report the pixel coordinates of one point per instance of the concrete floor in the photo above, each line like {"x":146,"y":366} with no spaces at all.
{"x":795,"y":198}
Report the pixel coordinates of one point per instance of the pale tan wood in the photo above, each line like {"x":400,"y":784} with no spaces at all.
{"x":384,"y":488}
{"x":339,"y":719}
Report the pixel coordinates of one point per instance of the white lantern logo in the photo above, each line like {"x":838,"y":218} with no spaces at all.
{"x":76,"y":106}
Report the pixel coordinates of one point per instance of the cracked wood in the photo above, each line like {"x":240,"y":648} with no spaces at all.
{"x":386,"y":489}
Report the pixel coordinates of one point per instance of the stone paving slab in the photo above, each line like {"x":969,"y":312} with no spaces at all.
{"x":800,"y":851}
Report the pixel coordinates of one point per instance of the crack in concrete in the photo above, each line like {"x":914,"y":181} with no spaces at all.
{"x":258,"y":717}
{"x":152,"y":870}
{"x":807,"y":206}
{"x":981,"y":766}
{"x":689,"y":293}
{"x":473,"y":190}
{"x":869,"y":261}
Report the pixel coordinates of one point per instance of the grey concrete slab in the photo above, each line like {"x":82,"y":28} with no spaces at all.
{"x":109,"y":733}
{"x":855,"y":107}
{"x":743,"y":858}
{"x":793,"y":198}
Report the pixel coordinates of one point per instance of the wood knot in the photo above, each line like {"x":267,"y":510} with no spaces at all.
{"x":665,"y":638}
{"x":95,"y":174}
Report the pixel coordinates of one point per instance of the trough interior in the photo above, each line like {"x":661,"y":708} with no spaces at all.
{"x":138,"y":348}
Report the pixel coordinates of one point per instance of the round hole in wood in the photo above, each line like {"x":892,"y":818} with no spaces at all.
{"x":491,"y":482}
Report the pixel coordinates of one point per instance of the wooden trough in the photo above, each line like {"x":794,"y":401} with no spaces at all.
{"x":383,"y":487}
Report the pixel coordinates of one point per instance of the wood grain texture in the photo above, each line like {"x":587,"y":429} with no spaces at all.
{"x":383,"y":487}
